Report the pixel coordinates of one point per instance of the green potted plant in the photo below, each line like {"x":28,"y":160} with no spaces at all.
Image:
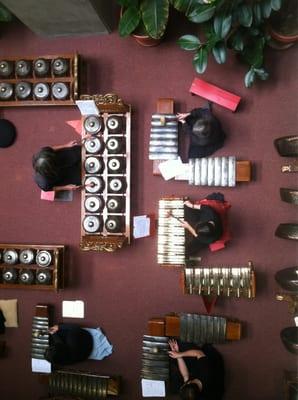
{"x":146,"y":20}
{"x":237,"y":25}
{"x":5,"y":14}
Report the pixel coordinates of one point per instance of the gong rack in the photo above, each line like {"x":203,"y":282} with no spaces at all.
{"x":30,"y":266}
{"x":105,"y":205}
{"x":48,"y":80}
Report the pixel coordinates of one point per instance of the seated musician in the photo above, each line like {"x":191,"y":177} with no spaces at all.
{"x":204,"y":130}
{"x":204,"y":223}
{"x":70,"y":344}
{"x":58,"y":167}
{"x":200,"y":372}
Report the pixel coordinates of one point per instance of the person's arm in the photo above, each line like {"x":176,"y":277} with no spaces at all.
{"x":66,"y":187}
{"x":181,"y":117}
{"x":189,"y":204}
{"x":181,"y":363}
{"x":184,"y":223}
{"x":66,"y":145}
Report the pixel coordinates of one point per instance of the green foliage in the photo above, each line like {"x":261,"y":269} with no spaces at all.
{"x":239,"y":25}
{"x":151,"y":14}
{"x":5,"y":14}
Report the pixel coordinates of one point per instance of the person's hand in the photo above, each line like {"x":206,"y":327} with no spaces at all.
{"x":173,"y":345}
{"x":53,"y":329}
{"x":169,"y":214}
{"x":72,"y":143}
{"x":74,"y":187}
{"x":181,"y":117}
{"x":188,"y":204}
{"x":175,"y":354}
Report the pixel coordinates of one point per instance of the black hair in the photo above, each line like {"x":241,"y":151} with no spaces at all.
{"x":45,"y":163}
{"x":190,"y":391}
{"x":205,"y":229}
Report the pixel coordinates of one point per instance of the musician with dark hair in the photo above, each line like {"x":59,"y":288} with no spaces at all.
{"x":204,"y":130}
{"x":203,"y":222}
{"x":200,"y":371}
{"x":58,"y":167}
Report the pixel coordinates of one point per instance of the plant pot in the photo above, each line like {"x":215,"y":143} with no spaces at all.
{"x":145,"y":40}
{"x":283,"y":26}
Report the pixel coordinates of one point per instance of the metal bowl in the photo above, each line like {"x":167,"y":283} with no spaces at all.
{"x":115,"y":124}
{"x":9,"y":275}
{"x":287,"y":278}
{"x":94,"y":145}
{"x":6,"y":90}
{"x":60,"y":91}
{"x":96,"y":184}
{"x":27,"y":256}
{"x":113,"y":224}
{"x":23,"y":90}
{"x":116,"y":185}
{"x":114,"y":145}
{"x":289,"y":337}
{"x":115,"y":204}
{"x":6,"y":68}
{"x":60,"y":66}
{"x":44,"y":277}
{"x":94,"y":203}
{"x":115,"y":165}
{"x":93,"y":165}
{"x":23,"y":67}
{"x":41,"y":91}
{"x":41,"y":67}
{"x":93,"y":124}
{"x":10,"y":256}
{"x":43,"y":258}
{"x":91,"y":224}
{"x":26,"y":276}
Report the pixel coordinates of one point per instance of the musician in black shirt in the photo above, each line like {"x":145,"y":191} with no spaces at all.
{"x":69,"y":344}
{"x":201,"y":371}
{"x":58,"y":167}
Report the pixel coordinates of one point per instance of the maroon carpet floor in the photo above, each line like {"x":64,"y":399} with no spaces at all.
{"x":124,"y":289}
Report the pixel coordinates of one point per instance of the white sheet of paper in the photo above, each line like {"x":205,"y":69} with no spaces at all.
{"x":170,"y":168}
{"x":152,"y":388}
{"x":73,"y":309}
{"x":141,"y":226}
{"x":41,"y":365}
{"x":87,"y":107}
{"x":183,"y":173}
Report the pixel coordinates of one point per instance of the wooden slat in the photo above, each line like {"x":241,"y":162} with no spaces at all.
{"x":156,"y":327}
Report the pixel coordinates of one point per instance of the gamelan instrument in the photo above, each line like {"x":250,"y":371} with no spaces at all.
{"x":171,"y":234}
{"x":83,"y":385}
{"x":40,"y":334}
{"x":220,"y":281}
{"x":105,"y":211}
{"x":155,"y":358}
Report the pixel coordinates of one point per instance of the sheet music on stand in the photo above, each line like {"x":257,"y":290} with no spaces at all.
{"x":41,"y":365}
{"x":152,"y":388}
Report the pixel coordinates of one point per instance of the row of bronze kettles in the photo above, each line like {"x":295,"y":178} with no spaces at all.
{"x":40,"y":90}
{"x":40,"y":67}
{"x":27,"y":276}
{"x":43,"y":258}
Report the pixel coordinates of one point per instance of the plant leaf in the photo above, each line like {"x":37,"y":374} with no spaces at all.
{"x":155,"y":14}
{"x":189,"y":42}
{"x":276,"y":4}
{"x":128,"y":3}
{"x":237,"y":42}
{"x":220,"y":53}
{"x":250,"y":77}
{"x":5,"y":14}
{"x":257,"y":13}
{"x":253,"y":54}
{"x":184,"y":6}
{"x":201,"y":13}
{"x":245,"y":15}
{"x":222,"y":24}
{"x":200,"y":60}
{"x":261,"y":73}
{"x":266,"y":8}
{"x":129,"y":21}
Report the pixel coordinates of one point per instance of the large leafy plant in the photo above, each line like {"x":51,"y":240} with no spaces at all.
{"x":144,"y":16}
{"x":239,"y":25}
